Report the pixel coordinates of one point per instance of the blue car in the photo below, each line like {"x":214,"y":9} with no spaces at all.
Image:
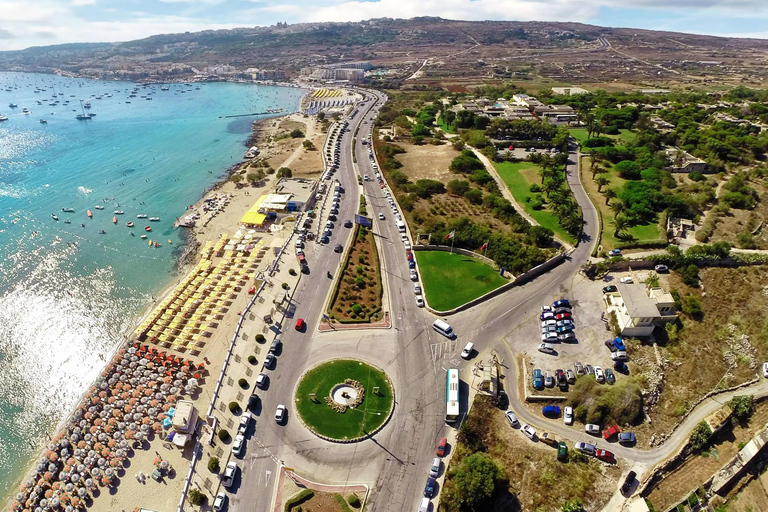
{"x":550,"y":410}
{"x":565,"y":328}
{"x":538,"y":380}
{"x":429,"y":489}
{"x":619,"y":343}
{"x":562,"y":303}
{"x":411,"y":264}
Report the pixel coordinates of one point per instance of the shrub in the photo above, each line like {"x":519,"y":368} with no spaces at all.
{"x":234,"y":407}
{"x":535,"y":187}
{"x":286,"y":286}
{"x":292,"y":271}
{"x":297,"y":134}
{"x":457,"y":187}
{"x":621,"y":403}
{"x":692,"y":306}
{"x":700,"y":435}
{"x":690,"y":275}
{"x":291,"y":504}
{"x":696,"y":176}
{"x":224,"y":436}
{"x":243,"y":383}
{"x":474,"y":196}
{"x":353,"y":501}
{"x":260,"y":338}
{"x":252,"y":359}
{"x":742,"y":407}
{"x":628,"y":169}
{"x":213,"y":465}
{"x":357,"y":309}
{"x":196,"y":497}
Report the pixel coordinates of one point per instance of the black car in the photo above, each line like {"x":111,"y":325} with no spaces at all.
{"x":610,"y":345}
{"x":253,"y":402}
{"x":270,"y":361}
{"x":324,"y":239}
{"x":627,"y":485}
{"x":347,"y":223}
{"x":429,"y":489}
{"x":621,"y":367}
{"x":338,"y":248}
{"x":610,"y":289}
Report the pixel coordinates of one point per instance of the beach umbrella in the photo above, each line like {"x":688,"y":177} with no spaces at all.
{"x":55,"y":501}
{"x":102,"y":462}
{"x":62,"y":475}
{"x":95,"y":472}
{"x":69,"y":508}
{"x":43,"y":503}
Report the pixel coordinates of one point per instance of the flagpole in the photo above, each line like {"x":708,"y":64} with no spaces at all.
{"x":486,"y":248}
{"x":452,"y":243}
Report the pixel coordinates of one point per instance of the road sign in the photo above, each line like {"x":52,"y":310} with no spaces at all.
{"x":363,"y":221}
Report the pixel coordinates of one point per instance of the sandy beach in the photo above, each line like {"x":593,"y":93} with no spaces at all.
{"x":208,"y":340}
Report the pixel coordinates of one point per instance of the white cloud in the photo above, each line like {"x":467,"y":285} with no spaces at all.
{"x":79,"y":3}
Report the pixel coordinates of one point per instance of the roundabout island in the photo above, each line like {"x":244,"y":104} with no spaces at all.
{"x":344,"y":400}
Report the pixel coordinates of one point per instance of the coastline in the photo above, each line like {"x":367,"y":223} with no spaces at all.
{"x":188,"y":254}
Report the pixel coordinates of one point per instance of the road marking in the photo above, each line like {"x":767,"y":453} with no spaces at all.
{"x":269,"y":475}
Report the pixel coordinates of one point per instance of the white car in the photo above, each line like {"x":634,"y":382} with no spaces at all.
{"x":467,"y":350}
{"x":414,"y":275}
{"x":626,"y":280}
{"x":591,"y":428}
{"x":599,"y":374}
{"x":261,"y":380}
{"x":381,"y":216}
{"x":529,"y":431}
{"x":280,"y":413}
{"x":547,"y":323}
{"x":237,"y":446}
{"x":416,"y":289}
{"x":420,"y":301}
{"x":407,"y":245}
{"x":547,"y":348}
{"x":765,"y":370}
{"x":403,"y":237}
{"x":218,"y":503}
{"x":229,"y":474}
{"x":245,"y":421}
{"x":512,"y":419}
{"x":568,"y":415}
{"x":366,"y":178}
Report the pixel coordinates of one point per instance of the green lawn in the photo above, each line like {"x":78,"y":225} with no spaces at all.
{"x":452,"y":279}
{"x":353,"y":423}
{"x":441,"y":123}
{"x":519,"y":177}
{"x":580,"y":134}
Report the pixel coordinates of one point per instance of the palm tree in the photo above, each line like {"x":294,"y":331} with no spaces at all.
{"x":620,"y":223}
{"x":572,"y":222}
{"x":609,"y":194}
{"x":617,"y":207}
{"x":601,"y":182}
{"x":597,"y":169}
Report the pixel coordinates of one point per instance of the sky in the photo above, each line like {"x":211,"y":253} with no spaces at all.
{"x":25,"y":23}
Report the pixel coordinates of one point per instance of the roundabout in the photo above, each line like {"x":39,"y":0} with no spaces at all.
{"x":344,"y":400}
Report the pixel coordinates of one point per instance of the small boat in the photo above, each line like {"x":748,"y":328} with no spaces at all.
{"x":89,"y":213}
{"x":119,"y":212}
{"x":3,"y":118}
{"x":70,"y":210}
{"x":114,"y":220}
{"x":12,"y":105}
{"x":141,"y":216}
{"x":154,"y":219}
{"x":147,"y":228}
{"x":99,"y":207}
{"x":102,"y":232}
{"x":129,"y":224}
{"x":54,"y":217}
{"x":25,"y":110}
{"x":43,"y":121}
{"x":67,"y":221}
{"x":143,"y":236}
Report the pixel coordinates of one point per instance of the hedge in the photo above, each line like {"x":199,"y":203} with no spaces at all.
{"x":298,"y":499}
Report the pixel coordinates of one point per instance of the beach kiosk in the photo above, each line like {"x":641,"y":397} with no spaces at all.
{"x":183,"y":422}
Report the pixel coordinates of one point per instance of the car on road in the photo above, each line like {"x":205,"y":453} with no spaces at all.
{"x":512,"y":419}
{"x":591,"y":428}
{"x":587,"y":448}
{"x":338,"y":248}
{"x":627,"y":438}
{"x":610,"y":289}
{"x":467,"y":351}
{"x":261,"y":380}
{"x":219,"y":502}
{"x":529,"y":431}
{"x":614,"y":252}
{"x":429,"y":489}
{"x":280,"y":413}
{"x":549,"y":381}
{"x":626,"y":280}
{"x":610,"y":378}
{"x":599,"y":375}
{"x":566,"y":336}
{"x":425,"y":505}
{"x":547,"y":348}
{"x":381,"y":216}
{"x":366,"y":178}
{"x":420,"y":301}
{"x":562,"y":303}
{"x":300,"y":324}
{"x":551,"y":411}
{"x":661,"y":269}
{"x":416,"y":289}
{"x":414,"y":275}
{"x":435,"y":469}
{"x":538,"y":380}
{"x":627,"y":485}
{"x":570,"y":376}
{"x":347,"y":223}
{"x":568,"y":415}
{"x":229,"y":474}
{"x":612,"y":431}
{"x":605,"y":456}
{"x":442,"y":446}
{"x":270,"y":361}
{"x":237,"y":445}
{"x":245,"y":420}
{"x":253,"y":404}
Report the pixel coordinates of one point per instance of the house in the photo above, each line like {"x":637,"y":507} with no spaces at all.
{"x":682,"y":161}
{"x":639,"y":310}
{"x":562,"y":113}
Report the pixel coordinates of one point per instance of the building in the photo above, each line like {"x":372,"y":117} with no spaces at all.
{"x":184,"y":417}
{"x":682,"y":161}
{"x":569,"y":91}
{"x":728,"y":474}
{"x":639,"y":310}
{"x":560,"y":113}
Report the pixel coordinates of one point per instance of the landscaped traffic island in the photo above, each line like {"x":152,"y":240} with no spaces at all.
{"x":452,"y":279}
{"x":344,"y":399}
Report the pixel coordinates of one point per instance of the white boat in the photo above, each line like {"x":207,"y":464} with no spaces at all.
{"x":70,"y":210}
{"x":119,"y":212}
{"x":141,"y":216}
{"x":54,"y":217}
{"x":3,"y":118}
{"x":99,"y":207}
{"x":25,"y":110}
{"x":154,"y":219}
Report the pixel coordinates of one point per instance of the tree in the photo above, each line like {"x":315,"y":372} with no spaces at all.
{"x":296,"y":134}
{"x":236,"y":178}
{"x":617,"y":207}
{"x":628,"y":169}
{"x":540,"y":236}
{"x":620,"y":223}
{"x":742,"y":407}
{"x":213,"y":465}
{"x":308,"y":145}
{"x":476,"y":479}
{"x":601,"y":182}
{"x":691,"y":275}
{"x":457,"y":187}
{"x":474,"y":196}
{"x":284,"y":172}
{"x":609,"y":194}
{"x":196,"y":497}
{"x":598,"y":169}
{"x":700,"y":435}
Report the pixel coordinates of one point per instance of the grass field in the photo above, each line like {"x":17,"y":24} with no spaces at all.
{"x":452,"y":279}
{"x":519,"y":177}
{"x":353,"y":423}
{"x":580,"y":134}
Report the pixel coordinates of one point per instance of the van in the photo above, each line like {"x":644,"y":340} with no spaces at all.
{"x":425,"y":505}
{"x":444,"y":328}
{"x":400,"y":226}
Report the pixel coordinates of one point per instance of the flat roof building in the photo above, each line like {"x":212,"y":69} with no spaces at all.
{"x":639,"y":310}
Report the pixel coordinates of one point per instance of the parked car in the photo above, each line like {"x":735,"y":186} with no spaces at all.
{"x":547,"y":309}
{"x":610,"y":289}
{"x":562,"y":309}
{"x":612,"y":431}
{"x":253,"y":403}
{"x":627,"y":438}
{"x":529,"y":431}
{"x":591,"y":428}
{"x":610,"y":345}
{"x":237,"y":445}
{"x":442,"y":446}
{"x":425,"y":505}
{"x":562,"y":303}
{"x":562,"y":452}
{"x":563,"y":316}
{"x":467,"y":351}
{"x":414,"y":275}
{"x":547,"y":315}
{"x":661,"y":269}
{"x":614,"y":252}
{"x":538,"y":381}
{"x":549,"y":439}
{"x":626,"y":280}
{"x":261,"y":380}
{"x":230,"y":471}
{"x":619,"y":343}
{"x":512,"y":419}
{"x":610,"y":378}
{"x":548,"y":323}
{"x":586,"y":448}
{"x":245,"y":421}
{"x":420,"y":301}
{"x":429,"y":489}
{"x":549,"y":381}
{"x":605,"y":456}
{"x":621,"y":367}
{"x":589,"y":369}
{"x":381,"y":216}
{"x":620,"y":355}
{"x":280,"y":413}
{"x":627,"y":485}
{"x":300,"y":324}
{"x":565,"y":328}
{"x":565,"y":323}
{"x":560,"y":377}
{"x":765,"y":370}
{"x":407,"y":245}
{"x":549,"y":336}
{"x":568,"y":415}
{"x":552,"y":411}
{"x":339,"y":248}
{"x":599,"y":375}
{"x":547,"y":348}
{"x":416,"y":289}
{"x":579,"y":368}
{"x":434,"y":470}
{"x":570,"y":376}
{"x":566,"y":336}
{"x":219,"y":502}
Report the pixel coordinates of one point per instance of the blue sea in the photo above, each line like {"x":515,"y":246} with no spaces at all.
{"x":68,"y":293}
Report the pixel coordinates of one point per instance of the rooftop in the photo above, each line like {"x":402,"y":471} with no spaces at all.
{"x":637,"y":302}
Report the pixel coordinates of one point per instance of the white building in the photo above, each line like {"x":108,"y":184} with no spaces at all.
{"x":639,"y":310}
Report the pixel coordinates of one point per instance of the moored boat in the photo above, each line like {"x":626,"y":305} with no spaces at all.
{"x":119,"y":212}
{"x":114,"y":220}
{"x":147,"y":228}
{"x":129,"y":224}
{"x":70,"y":210}
{"x":99,"y":207}
{"x":154,"y":219}
{"x":89,"y":213}
{"x":141,"y":216}
{"x":54,"y":217}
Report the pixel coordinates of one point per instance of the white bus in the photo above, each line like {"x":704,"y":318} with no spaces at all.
{"x":451,"y":395}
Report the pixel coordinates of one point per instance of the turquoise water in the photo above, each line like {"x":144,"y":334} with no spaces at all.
{"x":68,"y":292}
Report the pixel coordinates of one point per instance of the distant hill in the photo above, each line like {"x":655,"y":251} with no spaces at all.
{"x":456,"y":51}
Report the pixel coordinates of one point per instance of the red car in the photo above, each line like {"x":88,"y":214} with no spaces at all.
{"x":611,"y":432}
{"x":382,"y":185}
{"x":409,"y":255}
{"x":605,"y":456}
{"x":300,"y":324}
{"x":442,"y":446}
{"x":563,"y":316}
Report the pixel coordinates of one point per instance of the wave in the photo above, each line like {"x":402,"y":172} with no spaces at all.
{"x":84,"y":190}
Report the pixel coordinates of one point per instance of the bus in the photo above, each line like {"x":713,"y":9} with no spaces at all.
{"x":452,"y":395}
